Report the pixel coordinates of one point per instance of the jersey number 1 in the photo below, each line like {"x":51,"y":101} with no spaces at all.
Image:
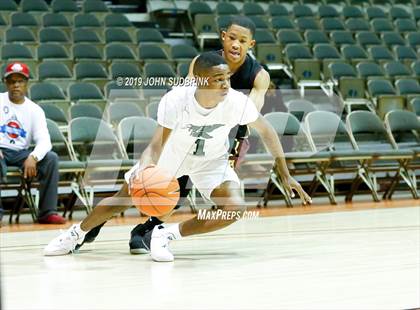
{"x":199,"y":150}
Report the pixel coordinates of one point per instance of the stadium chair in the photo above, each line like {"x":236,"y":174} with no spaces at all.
{"x":408,"y":87}
{"x":313,"y":37}
{"x":276,"y":9}
{"x":117,"y":20}
{"x":56,"y":73}
{"x":416,"y":13}
{"x":70,"y":171}
{"x":183,"y":53}
{"x":149,"y":53}
{"x":392,"y":38}
{"x":183,"y":69}
{"x":403,"y":129}
{"x":20,"y":19}
{"x":352,"y":12}
{"x":91,"y":72}
{"x":3,"y":88}
{"x":367,"y":38}
{"x":64,"y":6}
{"x":47,"y":92}
{"x":81,"y":92}
{"x":151,"y":35}
{"x":354,"y":54}
{"x":405,"y":54}
{"x":35,"y":7}
{"x":375,"y":12}
{"x":117,"y":35}
{"x":357,"y":24}
{"x":326,"y":53}
{"x":332,"y":23}
{"x":398,"y":12}
{"x":328,"y":133}
{"x":299,"y":156}
{"x":226,"y":8}
{"x":268,"y":50}
{"x":286,"y":37}
{"x":95,"y":6}
{"x":55,"y":113}
{"x":54,"y":35}
{"x":414,"y":105}
{"x":135,"y":133}
{"x":8,"y":6}
{"x":340,"y":38}
{"x":369,"y":134}
{"x":158,"y":70}
{"x":300,"y":10}
{"x":93,"y":142}
{"x":299,"y":108}
{"x":259,"y":22}
{"x":203,"y":22}
{"x":381,"y":25}
{"x":85,"y":110}
{"x":350,"y":87}
{"x":385,"y":97}
{"x":53,"y":51}
{"x":119,"y":110}
{"x":415,"y":67}
{"x":307,"y":23}
{"x":251,"y":9}
{"x":380,"y":54}
{"x":119,"y":52}
{"x":281,"y":23}
{"x":124,"y":70}
{"x":326,"y":11}
{"x":13,"y":51}
{"x":396,"y":69}
{"x":55,"y":20}
{"x":83,"y":35}
{"x":85,"y":20}
{"x":303,"y":65}
{"x":152,"y":109}
{"x":405,"y":25}
{"x":86,"y":52}
{"x":414,"y":39}
{"x":20,"y":34}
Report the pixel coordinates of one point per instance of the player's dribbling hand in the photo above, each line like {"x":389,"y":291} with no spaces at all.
{"x":135,"y":176}
{"x":291,"y":184}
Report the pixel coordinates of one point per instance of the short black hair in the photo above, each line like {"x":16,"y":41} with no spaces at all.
{"x":242,"y":21}
{"x":207,"y":60}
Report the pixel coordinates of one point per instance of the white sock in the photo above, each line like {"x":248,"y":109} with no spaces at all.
{"x":174,"y":231}
{"x":79,"y":231}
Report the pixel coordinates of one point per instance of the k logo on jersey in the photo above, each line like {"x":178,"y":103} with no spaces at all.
{"x":202,"y":131}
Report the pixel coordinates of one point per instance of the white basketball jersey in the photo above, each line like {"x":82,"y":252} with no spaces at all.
{"x":203,"y":132}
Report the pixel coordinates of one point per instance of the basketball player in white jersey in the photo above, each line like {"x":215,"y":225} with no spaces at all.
{"x":192,"y":139}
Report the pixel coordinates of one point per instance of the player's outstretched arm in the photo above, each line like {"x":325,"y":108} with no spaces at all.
{"x":273,"y":145}
{"x":261,"y":84}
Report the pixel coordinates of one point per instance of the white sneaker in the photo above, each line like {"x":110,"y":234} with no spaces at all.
{"x":159,"y":245}
{"x":65,"y":243}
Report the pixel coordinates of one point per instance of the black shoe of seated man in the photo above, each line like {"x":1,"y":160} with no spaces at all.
{"x":91,"y":235}
{"x":140,"y":236}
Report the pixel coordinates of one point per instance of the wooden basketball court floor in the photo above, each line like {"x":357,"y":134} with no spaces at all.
{"x":359,"y":256}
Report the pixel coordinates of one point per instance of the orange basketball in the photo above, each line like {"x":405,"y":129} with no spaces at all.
{"x":155,"y":192}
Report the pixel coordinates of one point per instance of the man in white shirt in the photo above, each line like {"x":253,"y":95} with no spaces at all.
{"x":23,"y":122}
{"x":192,"y":139}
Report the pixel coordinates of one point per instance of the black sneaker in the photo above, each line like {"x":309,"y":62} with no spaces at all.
{"x":91,"y":235}
{"x":140,"y":244}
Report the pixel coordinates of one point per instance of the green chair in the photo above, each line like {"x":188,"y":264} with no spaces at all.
{"x":119,"y":110}
{"x":135,"y":134}
{"x":85,"y":110}
{"x":369,"y":134}
{"x":385,"y":97}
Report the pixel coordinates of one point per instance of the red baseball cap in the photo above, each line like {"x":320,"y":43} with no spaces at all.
{"x":17,"y":67}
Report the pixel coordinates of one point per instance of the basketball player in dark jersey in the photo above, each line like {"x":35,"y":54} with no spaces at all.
{"x":247,"y":76}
